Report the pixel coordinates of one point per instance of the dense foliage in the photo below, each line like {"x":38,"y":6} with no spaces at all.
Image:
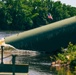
{"x":28,"y":14}
{"x":67,"y":56}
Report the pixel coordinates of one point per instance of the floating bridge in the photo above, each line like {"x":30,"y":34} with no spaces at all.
{"x":49,"y":38}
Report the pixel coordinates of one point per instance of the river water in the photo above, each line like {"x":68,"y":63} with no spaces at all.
{"x":39,"y":64}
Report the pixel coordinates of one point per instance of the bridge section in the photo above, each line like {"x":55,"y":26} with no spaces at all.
{"x":46,"y":38}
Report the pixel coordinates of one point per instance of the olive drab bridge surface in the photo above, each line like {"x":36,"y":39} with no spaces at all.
{"x":46,"y":38}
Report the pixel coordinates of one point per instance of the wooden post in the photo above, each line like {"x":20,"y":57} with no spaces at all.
{"x":13,"y":63}
{"x":2,"y":54}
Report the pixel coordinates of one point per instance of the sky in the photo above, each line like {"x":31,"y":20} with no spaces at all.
{"x":68,"y":2}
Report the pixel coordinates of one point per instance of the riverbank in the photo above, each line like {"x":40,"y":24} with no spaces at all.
{"x":67,"y":57}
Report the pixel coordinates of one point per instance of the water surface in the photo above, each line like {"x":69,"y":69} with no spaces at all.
{"x":38,"y":65}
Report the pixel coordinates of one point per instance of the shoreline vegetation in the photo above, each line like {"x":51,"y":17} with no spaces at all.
{"x":29,"y":14}
{"x":66,"y":58}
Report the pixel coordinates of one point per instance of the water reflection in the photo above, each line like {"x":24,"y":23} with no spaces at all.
{"x":49,"y":70}
{"x":61,"y":70}
{"x":39,"y":70}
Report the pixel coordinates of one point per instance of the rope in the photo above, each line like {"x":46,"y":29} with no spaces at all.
{"x":6,"y":57}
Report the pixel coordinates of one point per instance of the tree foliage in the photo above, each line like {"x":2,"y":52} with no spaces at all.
{"x":28,"y":14}
{"x":68,"y":54}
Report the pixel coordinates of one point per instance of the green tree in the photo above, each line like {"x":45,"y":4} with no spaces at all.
{"x":27,"y":14}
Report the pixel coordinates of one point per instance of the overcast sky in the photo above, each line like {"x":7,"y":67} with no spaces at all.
{"x":68,"y":2}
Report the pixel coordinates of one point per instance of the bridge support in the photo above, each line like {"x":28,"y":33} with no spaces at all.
{"x":2,"y":54}
{"x":13,"y":63}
